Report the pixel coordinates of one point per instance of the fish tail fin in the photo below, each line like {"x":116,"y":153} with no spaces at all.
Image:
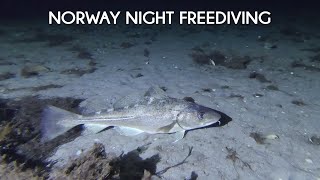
{"x":51,"y":122}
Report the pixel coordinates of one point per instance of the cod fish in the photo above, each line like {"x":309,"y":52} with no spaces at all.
{"x":151,"y":112}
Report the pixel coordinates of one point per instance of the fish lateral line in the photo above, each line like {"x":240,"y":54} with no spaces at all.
{"x":105,"y":119}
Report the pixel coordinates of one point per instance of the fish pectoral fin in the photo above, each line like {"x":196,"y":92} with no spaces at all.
{"x":167,"y":128}
{"x":155,"y":92}
{"x":179,"y":135}
{"x":127,"y":131}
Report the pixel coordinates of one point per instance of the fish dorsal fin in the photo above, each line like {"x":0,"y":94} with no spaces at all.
{"x":137,"y":98}
{"x":129,"y":100}
{"x":155,"y":92}
{"x":126,"y":131}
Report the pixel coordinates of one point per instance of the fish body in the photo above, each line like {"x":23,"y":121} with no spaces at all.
{"x":153,"y":113}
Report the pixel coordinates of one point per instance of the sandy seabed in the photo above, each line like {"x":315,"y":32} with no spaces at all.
{"x":265,"y":77}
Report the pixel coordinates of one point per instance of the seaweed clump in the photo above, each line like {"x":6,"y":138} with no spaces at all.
{"x":94,"y":164}
{"x":22,"y":153}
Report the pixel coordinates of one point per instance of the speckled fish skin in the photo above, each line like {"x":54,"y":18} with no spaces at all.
{"x":148,"y":117}
{"x":151,"y":115}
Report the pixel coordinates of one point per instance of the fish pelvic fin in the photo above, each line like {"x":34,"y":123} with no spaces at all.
{"x":179,"y":135}
{"x":53,"y":122}
{"x":167,"y":128}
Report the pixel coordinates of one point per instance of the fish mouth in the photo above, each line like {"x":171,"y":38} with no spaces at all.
{"x":209,"y":123}
{"x":225,"y":119}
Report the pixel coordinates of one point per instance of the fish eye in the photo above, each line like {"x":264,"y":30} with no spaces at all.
{"x":200,"y":115}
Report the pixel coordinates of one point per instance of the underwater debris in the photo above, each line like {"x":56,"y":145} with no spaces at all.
{"x":257,"y":95}
{"x":298,"y":102}
{"x":260,"y":77}
{"x":200,"y":57}
{"x":126,"y":45}
{"x":33,"y":70}
{"x":314,"y":140}
{"x":233,"y":156}
{"x":78,"y":72}
{"x":146,"y":175}
{"x":258,"y":137}
{"x":216,"y":57}
{"x":146,"y":52}
{"x":6,"y":75}
{"x":45,"y":87}
{"x":238,"y":62}
{"x":261,"y":138}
